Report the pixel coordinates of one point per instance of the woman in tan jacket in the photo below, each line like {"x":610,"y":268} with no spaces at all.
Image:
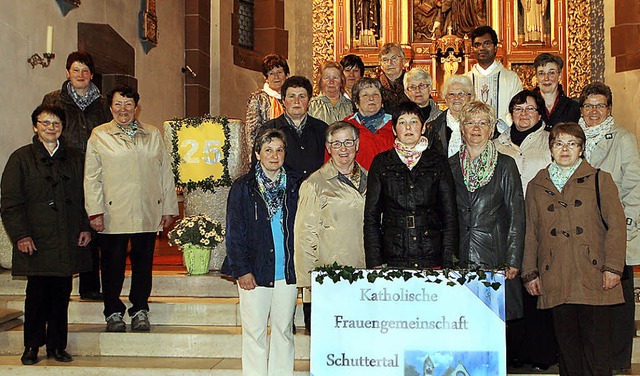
{"x":574,"y":251}
{"x":328,"y":226}
{"x":129,"y":195}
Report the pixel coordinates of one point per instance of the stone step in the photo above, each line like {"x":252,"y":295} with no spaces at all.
{"x":165,"y":283}
{"x":162,"y":341}
{"x":163,"y":311}
{"x":130,"y":366}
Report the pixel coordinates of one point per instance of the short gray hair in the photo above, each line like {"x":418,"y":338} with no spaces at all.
{"x":416,"y":74}
{"x":387,"y":47}
{"x":338,"y":126}
{"x":361,"y":84}
{"x":457,"y":79}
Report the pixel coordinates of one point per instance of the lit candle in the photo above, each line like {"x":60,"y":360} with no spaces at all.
{"x":49,"y":39}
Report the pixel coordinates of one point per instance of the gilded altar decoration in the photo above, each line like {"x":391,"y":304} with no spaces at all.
{"x":527,"y":74}
{"x":323,"y":42}
{"x":534,"y":19}
{"x":365,"y":22}
{"x":432,"y":18}
{"x":578,"y":46}
{"x":150,"y":23}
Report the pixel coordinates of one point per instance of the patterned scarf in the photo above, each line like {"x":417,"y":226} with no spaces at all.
{"x":373,"y":122}
{"x":478,"y":172}
{"x":560,"y":177}
{"x":595,"y":134}
{"x":83,"y":101}
{"x":130,"y":130}
{"x":272,"y":191}
{"x":275,"y":102}
{"x":410,"y":156}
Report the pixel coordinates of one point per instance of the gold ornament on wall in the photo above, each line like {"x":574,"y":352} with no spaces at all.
{"x":323,"y":17}
{"x":578,"y":46}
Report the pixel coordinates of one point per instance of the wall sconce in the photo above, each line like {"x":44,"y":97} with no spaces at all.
{"x":36,"y":59}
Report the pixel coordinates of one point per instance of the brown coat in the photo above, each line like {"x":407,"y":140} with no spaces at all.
{"x":566,"y":244}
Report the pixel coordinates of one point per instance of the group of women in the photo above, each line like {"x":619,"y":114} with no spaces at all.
{"x":55,"y":199}
{"x":423,"y":190}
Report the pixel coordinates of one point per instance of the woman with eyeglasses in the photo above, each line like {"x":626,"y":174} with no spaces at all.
{"x":410,"y":211}
{"x":328,"y":226}
{"x":526,"y":141}
{"x":558,"y":107}
{"x":575,"y":251}
{"x":613,"y":149}
{"x":444,"y":133}
{"x":42,"y":210}
{"x":490,"y":203}
{"x":417,"y":86}
{"x":376,"y":130}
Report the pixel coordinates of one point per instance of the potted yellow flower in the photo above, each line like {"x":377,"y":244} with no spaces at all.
{"x":196,"y":236}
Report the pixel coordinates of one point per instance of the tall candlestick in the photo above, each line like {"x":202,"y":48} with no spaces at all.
{"x":49,"y":39}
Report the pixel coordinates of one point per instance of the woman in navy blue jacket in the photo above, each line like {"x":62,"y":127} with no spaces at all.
{"x":260,"y":215}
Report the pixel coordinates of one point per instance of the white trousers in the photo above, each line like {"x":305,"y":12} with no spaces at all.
{"x":257,"y":307}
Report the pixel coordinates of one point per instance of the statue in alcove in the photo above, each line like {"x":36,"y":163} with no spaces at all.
{"x":432,"y":18}
{"x":366,"y":21}
{"x":466,"y":15}
{"x":534,"y":19}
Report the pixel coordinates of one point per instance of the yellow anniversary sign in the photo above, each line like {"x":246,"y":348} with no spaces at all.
{"x":200,"y":151}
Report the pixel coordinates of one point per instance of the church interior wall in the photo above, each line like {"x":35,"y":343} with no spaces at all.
{"x":231,"y":85}
{"x":23,"y":30}
{"x":625,"y":86}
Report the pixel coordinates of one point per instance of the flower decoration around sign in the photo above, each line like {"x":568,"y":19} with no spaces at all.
{"x":197,"y":230}
{"x":200,"y":147}
{"x":451,"y":277}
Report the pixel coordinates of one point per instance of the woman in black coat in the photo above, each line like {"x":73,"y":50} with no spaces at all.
{"x":490,"y":204}
{"x":410,"y":211}
{"x":42,"y":210}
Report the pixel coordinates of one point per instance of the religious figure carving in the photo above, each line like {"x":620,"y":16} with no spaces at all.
{"x":450,"y":65}
{"x":534,"y":14}
{"x":365,"y":18}
{"x":432,"y":18}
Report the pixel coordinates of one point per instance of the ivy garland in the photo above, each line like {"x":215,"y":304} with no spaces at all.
{"x":338,"y":272}
{"x":209,"y":183}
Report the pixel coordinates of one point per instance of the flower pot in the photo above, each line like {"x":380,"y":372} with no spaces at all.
{"x":196,"y":259}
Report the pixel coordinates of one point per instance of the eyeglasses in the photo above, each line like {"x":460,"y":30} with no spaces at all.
{"x":392,"y":59}
{"x":529,"y":109}
{"x":482,"y":123}
{"x":421,"y":86}
{"x":461,"y":94}
{"x":550,"y":74}
{"x":47,"y":123}
{"x":599,"y":106}
{"x":486,"y":44}
{"x":570,"y":145}
{"x":348,"y":143}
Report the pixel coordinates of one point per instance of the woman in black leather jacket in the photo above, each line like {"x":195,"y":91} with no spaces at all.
{"x":490,"y":202}
{"x":410,"y":216}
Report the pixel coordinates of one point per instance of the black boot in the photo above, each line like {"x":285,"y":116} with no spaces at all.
{"x":29,"y":356}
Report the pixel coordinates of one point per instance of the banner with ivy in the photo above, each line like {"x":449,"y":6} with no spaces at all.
{"x":407,"y":323}
{"x":199,"y":152}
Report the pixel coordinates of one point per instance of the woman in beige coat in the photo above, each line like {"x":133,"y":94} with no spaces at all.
{"x":574,"y":251}
{"x":614,"y":149}
{"x":129,"y":196}
{"x":329,"y":220}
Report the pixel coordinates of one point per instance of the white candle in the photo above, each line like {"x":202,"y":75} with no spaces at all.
{"x":49,"y":39}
